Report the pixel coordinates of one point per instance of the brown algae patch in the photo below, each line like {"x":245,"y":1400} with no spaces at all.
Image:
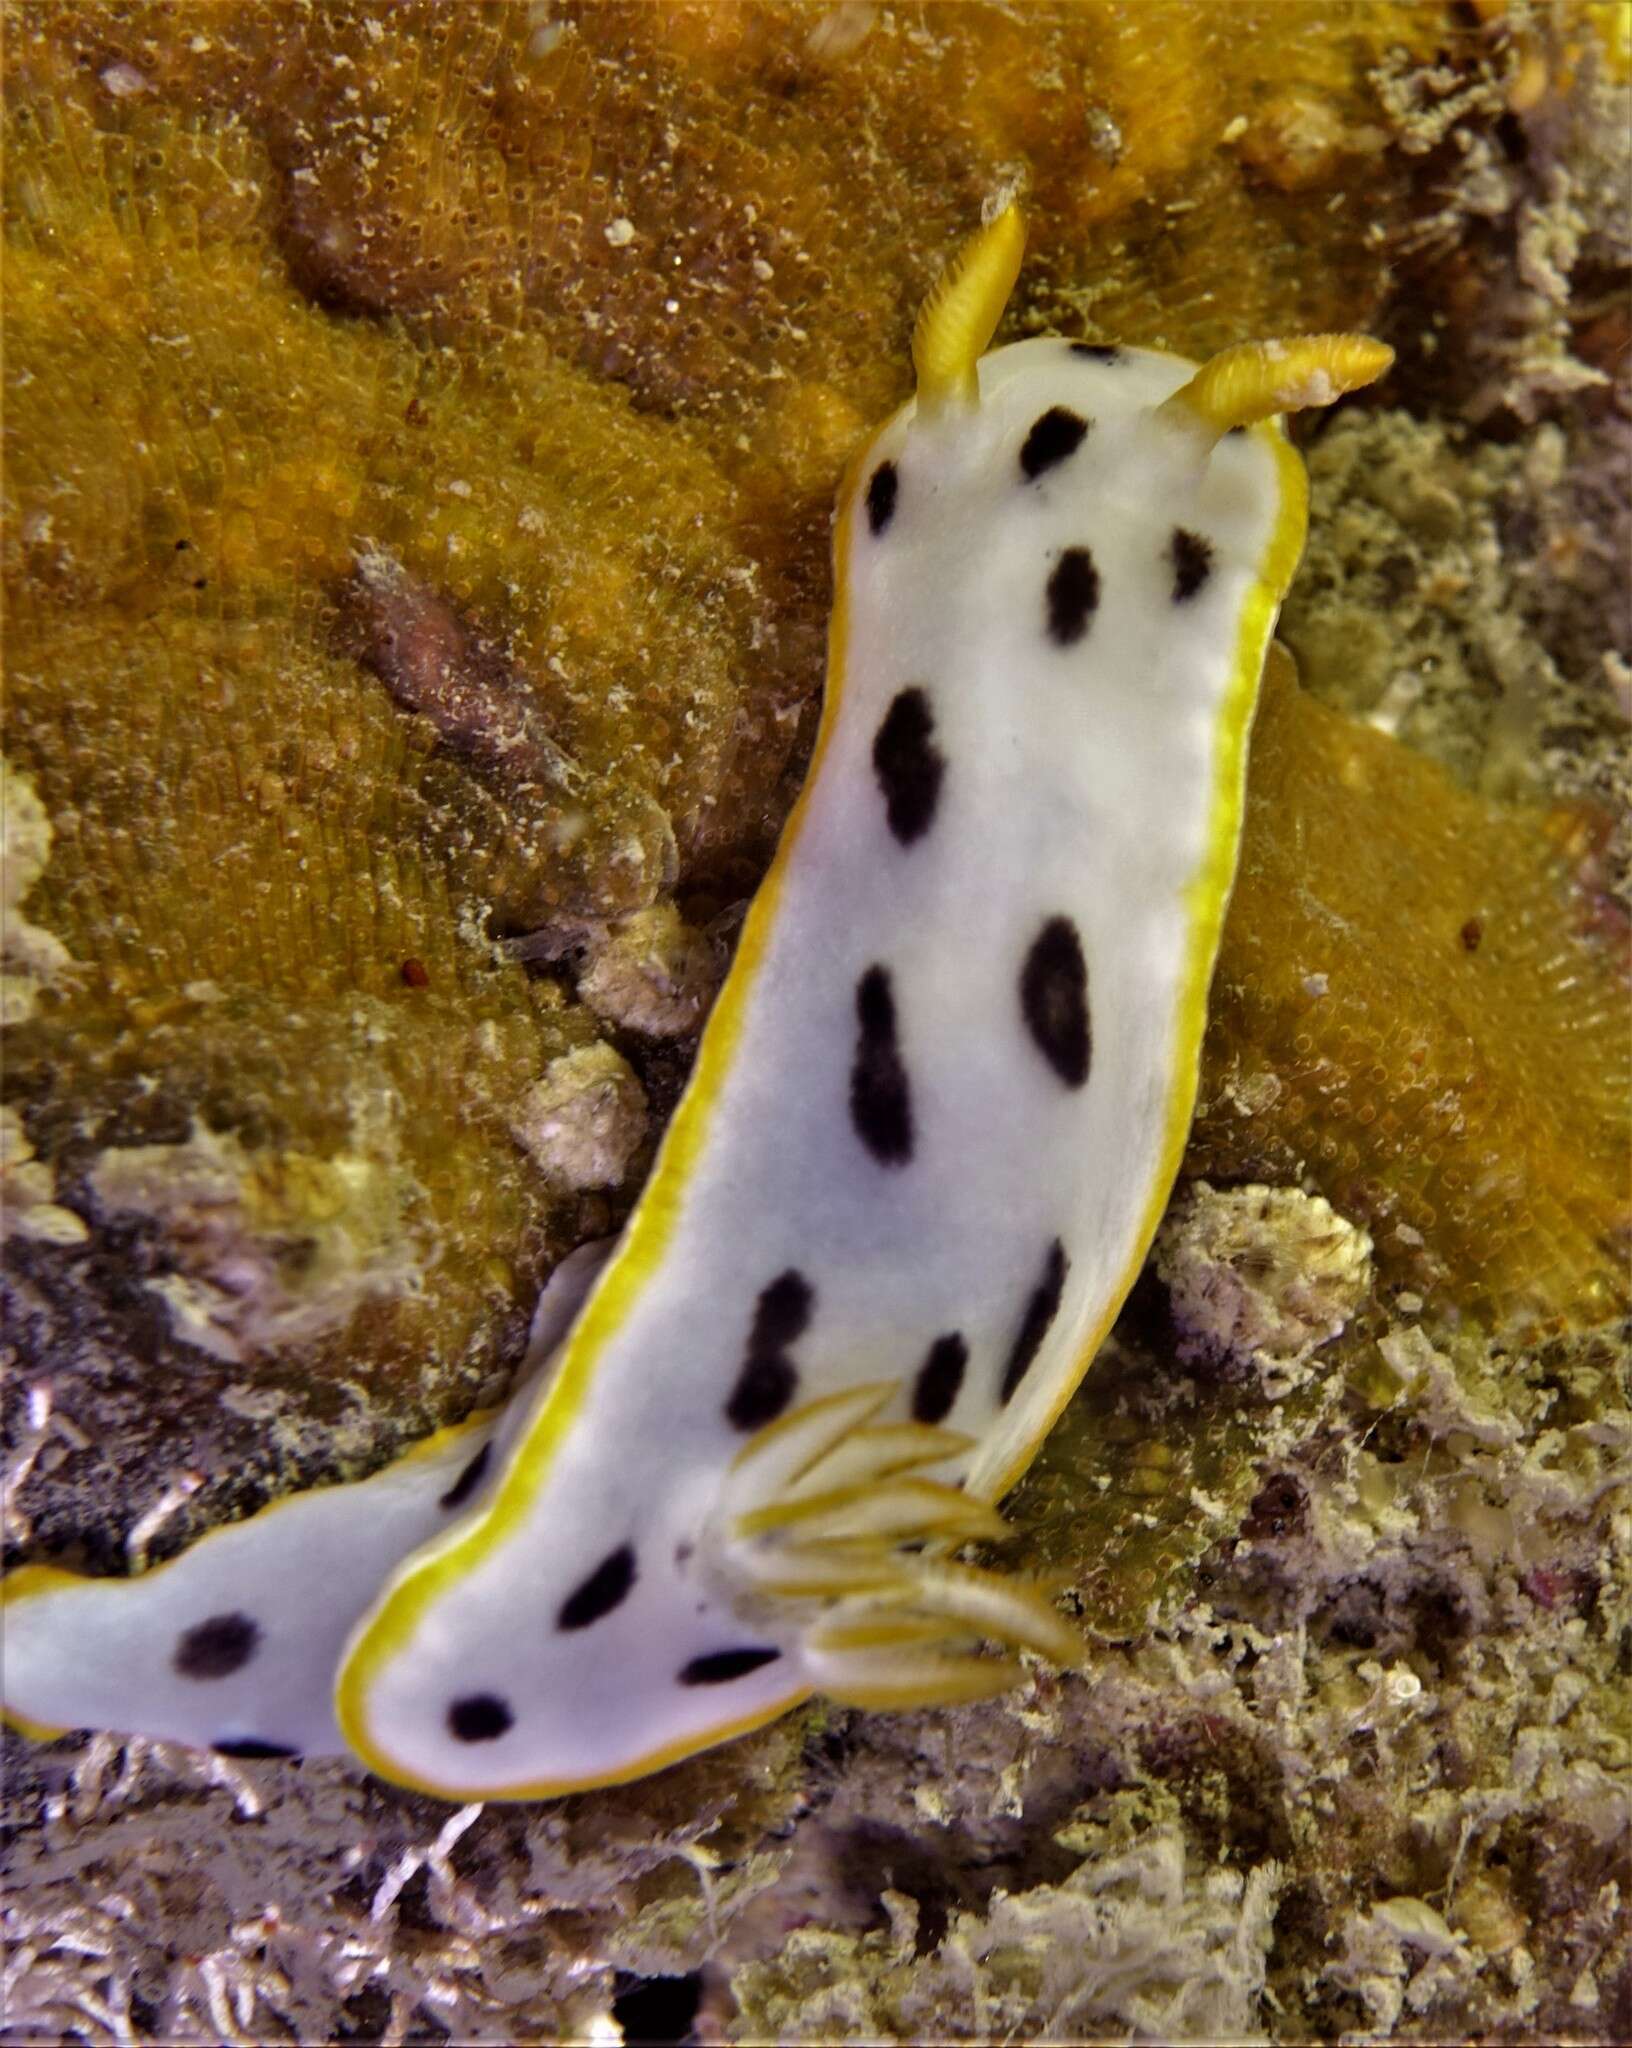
{"x":1421,"y":1033}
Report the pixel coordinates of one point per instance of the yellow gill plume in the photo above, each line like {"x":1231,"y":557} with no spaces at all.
{"x":960,"y":315}
{"x":831,"y":1511}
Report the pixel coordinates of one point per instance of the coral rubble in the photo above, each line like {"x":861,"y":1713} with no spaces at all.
{"x":1266,"y":1274}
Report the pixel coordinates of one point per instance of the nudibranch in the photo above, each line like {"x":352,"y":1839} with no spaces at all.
{"x":934,"y":1119}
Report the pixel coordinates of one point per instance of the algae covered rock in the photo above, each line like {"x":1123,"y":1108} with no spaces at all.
{"x":263,"y":1250}
{"x":30,"y":957}
{"x":583,"y":1121}
{"x":1131,"y":1943}
{"x":1263,"y":1274}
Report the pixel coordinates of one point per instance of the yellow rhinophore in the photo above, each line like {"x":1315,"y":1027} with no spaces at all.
{"x":960,"y":315}
{"x":1256,"y":379}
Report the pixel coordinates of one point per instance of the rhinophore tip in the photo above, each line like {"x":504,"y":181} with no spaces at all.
{"x":960,"y":315}
{"x":1256,"y":379}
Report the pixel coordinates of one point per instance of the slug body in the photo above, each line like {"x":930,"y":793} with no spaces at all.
{"x":233,"y":1645}
{"x":932,"y":1126}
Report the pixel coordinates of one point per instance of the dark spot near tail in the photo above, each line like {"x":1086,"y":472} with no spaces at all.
{"x":939,"y":1378}
{"x":479,"y":1717}
{"x":218,"y":1647}
{"x":1097,"y":351}
{"x":606,"y":1587}
{"x":249,"y":1747}
{"x":1041,"y":1310}
{"x":1054,"y":1000}
{"x":721,"y":1666}
{"x":768,"y":1378}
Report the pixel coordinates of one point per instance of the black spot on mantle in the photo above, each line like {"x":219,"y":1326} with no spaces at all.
{"x":909,"y":766}
{"x":935,"y":1389}
{"x":721,"y":1666}
{"x":1054,"y":1000}
{"x":1072,"y":596}
{"x":1035,"y":1324}
{"x":479,"y":1717}
{"x":1055,"y":436}
{"x":880,"y":1095}
{"x":883,"y":487}
{"x":769,"y":1377}
{"x":606,"y":1587}
{"x":468,"y":1481}
{"x":1192,"y":559}
{"x":218,"y":1647}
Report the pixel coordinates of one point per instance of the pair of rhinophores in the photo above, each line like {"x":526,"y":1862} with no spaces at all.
{"x":934,"y":1119}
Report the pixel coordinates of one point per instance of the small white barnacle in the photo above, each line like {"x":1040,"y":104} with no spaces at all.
{"x":932,"y":1125}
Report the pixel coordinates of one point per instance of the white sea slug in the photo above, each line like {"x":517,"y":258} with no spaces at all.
{"x":934,"y":1120}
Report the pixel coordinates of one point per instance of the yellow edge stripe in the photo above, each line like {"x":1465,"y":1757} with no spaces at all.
{"x":32,"y":1581}
{"x":28,"y":1581}
{"x":36,"y":1731}
{"x":621,"y":1774}
{"x":1208,"y":894}
{"x":647,"y":1237}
